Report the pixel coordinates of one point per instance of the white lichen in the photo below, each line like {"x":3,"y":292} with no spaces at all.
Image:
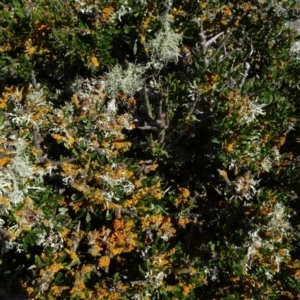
{"x":124,"y":80}
{"x":165,"y":47}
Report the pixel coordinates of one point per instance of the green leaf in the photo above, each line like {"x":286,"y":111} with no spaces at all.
{"x":30,"y":238}
{"x":109,"y":216}
{"x":2,"y":119}
{"x":20,"y":14}
{"x":73,"y":263}
{"x":177,"y":289}
{"x":127,"y":29}
{"x":61,"y":259}
{"x":88,"y":217}
{"x":38,"y":261}
{"x":165,"y":247}
{"x":57,"y":198}
{"x":58,"y":277}
{"x":141,"y":270}
{"x":62,"y":210}
{"x":75,"y":153}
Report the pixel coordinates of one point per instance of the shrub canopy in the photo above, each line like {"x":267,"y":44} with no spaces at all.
{"x":149,"y":149}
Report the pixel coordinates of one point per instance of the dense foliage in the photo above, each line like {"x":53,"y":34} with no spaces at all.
{"x":149,"y":149}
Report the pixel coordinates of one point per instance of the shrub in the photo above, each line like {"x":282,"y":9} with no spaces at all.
{"x":149,"y":150}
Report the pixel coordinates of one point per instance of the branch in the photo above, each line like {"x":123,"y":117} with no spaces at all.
{"x":203,"y":41}
{"x":59,"y":162}
{"x":138,"y":282}
{"x":33,"y":80}
{"x":148,"y":108}
{"x":245,"y":75}
{"x":37,"y":144}
{"x":159,"y":125}
{"x":208,"y":43}
{"x":37,"y":139}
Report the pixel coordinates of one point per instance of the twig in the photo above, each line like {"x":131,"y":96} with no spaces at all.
{"x":224,"y":175}
{"x":138,"y":282}
{"x":99,"y":151}
{"x":33,"y":80}
{"x":37,"y":144}
{"x":203,"y":41}
{"x":57,"y":38}
{"x":147,"y":104}
{"x":37,"y":139}
{"x":59,"y":162}
{"x":192,"y":108}
{"x":4,"y":5}
{"x":129,"y":212}
{"x":159,"y":125}
{"x":9,"y":155}
{"x":146,"y":128}
{"x":245,"y":75}
{"x":256,"y":92}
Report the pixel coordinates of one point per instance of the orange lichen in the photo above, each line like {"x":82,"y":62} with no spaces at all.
{"x":93,"y":62}
{"x":107,"y":12}
{"x":4,"y":161}
{"x":104,"y":262}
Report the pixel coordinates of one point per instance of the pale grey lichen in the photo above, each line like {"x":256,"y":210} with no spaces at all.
{"x":165,"y":47}
{"x":295,"y":47}
{"x":124,"y":80}
{"x":16,"y":173}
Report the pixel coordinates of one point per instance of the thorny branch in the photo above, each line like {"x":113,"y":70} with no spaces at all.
{"x":159,"y":125}
{"x":148,"y":108}
{"x":204,"y":43}
{"x":238,"y":48}
{"x":245,"y":75}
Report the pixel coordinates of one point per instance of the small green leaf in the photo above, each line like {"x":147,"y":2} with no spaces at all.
{"x":73,"y":263}
{"x":141,"y":270}
{"x":1,"y":118}
{"x":62,"y":210}
{"x":57,"y":198}
{"x":38,"y":261}
{"x":61,"y":259}
{"x":88,"y":217}
{"x":108,"y":216}
{"x":58,"y":276}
